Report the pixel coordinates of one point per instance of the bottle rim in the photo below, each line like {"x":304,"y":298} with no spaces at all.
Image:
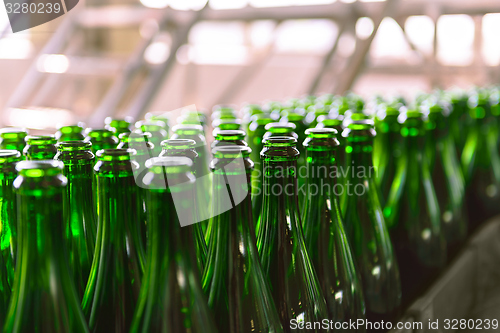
{"x":280,"y":141}
{"x":71,"y":129}
{"x":178,"y":144}
{"x":280,"y":127}
{"x":231,"y":152}
{"x":115,"y":154}
{"x":229,"y":135}
{"x":39,"y":169}
{"x":188,"y":129}
{"x":99,"y":133}
{"x":73,"y":145}
{"x":37,"y":140}
{"x":9,"y":156}
{"x":169,"y":164}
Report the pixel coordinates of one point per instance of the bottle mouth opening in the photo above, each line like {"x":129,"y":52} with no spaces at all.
{"x":108,"y":155}
{"x":169,"y":165}
{"x":231,"y":152}
{"x":178,"y":144}
{"x":36,"y":140}
{"x":280,"y":141}
{"x":74,"y":129}
{"x":322,"y":133}
{"x":281,"y":127}
{"x":226,"y":135}
{"x":74,"y":146}
{"x":13,"y":133}
{"x":9,"y":156}
{"x":38,"y":169}
{"x":185,"y":129}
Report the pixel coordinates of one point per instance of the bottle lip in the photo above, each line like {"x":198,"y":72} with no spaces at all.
{"x":38,"y":169}
{"x":280,"y":127}
{"x":322,"y":133}
{"x":169,"y":164}
{"x":138,"y":136}
{"x":280,"y":141}
{"x":150,"y":125}
{"x":410,"y":115}
{"x":13,"y":132}
{"x":261,"y":119}
{"x":9,"y":156}
{"x":224,"y":121}
{"x":231,"y":152}
{"x":229,"y":135}
{"x":74,"y":146}
{"x":127,"y":121}
{"x":115,"y":154}
{"x":98,"y":133}
{"x":178,"y":144}
{"x":37,"y":140}
{"x":71,"y":129}
{"x":188,"y":129}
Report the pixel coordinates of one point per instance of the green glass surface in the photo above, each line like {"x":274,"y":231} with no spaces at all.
{"x":40,"y":147}
{"x":81,"y":216}
{"x":70,"y":133}
{"x":8,"y":226}
{"x":115,"y":278}
{"x":101,"y":139}
{"x":118,"y":126}
{"x":412,"y":211}
{"x":157,"y":130}
{"x":44,"y":297}
{"x":324,"y":233}
{"x":447,"y":178}
{"x":366,"y":228}
{"x":229,"y":138}
{"x":286,"y":264}
{"x":233,"y":279}
{"x":187,"y":148}
{"x":13,"y":138}
{"x":227,"y":124}
{"x":387,"y":147}
{"x":459,"y":119}
{"x":171,"y":298}
{"x":481,"y":162}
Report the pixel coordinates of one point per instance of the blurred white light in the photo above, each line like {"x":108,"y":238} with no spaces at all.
{"x":187,"y":4}
{"x":455,"y":39}
{"x":53,"y":63}
{"x":364,"y":27}
{"x":262,"y":33}
{"x":157,"y":53}
{"x":15,"y":48}
{"x":227,"y":33}
{"x":491,"y":39}
{"x":390,"y":41}
{"x":183,"y":54}
{"x":271,"y":3}
{"x":420,"y":30}
{"x":155,"y":3}
{"x":347,"y":45}
{"x":348,"y":1}
{"x":228,"y":4}
{"x":148,"y":28}
{"x":306,"y":36}
{"x":39,"y":118}
{"x":205,"y":54}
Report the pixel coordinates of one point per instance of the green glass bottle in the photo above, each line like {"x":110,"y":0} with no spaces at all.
{"x":366,"y":229}
{"x":249,"y":111}
{"x":387,"y":147}
{"x":481,"y":162}
{"x":156,"y":128}
{"x":193,"y":118}
{"x":187,"y":148}
{"x":8,"y":226}
{"x":280,"y":129}
{"x":224,"y":112}
{"x":118,"y":126}
{"x":70,"y":133}
{"x":101,"y":139}
{"x":460,"y":119}
{"x":44,"y":297}
{"x":40,"y":147}
{"x":229,"y":138}
{"x":227,"y":124}
{"x":233,"y":279}
{"x":13,"y":138}
{"x":80,"y":229}
{"x":171,"y":298}
{"x":412,"y":211}
{"x":324,"y":233}
{"x":447,"y":178}
{"x":294,"y":284}
{"x":160,"y":116}
{"x":115,"y":278}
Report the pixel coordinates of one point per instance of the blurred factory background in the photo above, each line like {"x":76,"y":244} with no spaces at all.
{"x":127,"y":57}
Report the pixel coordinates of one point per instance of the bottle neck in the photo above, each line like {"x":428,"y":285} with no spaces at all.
{"x":321,"y":173}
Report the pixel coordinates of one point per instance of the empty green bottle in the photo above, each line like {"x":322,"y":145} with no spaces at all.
{"x":187,"y":148}
{"x":8,"y":226}
{"x":101,"y":139}
{"x":115,"y":278}
{"x":387,"y":147}
{"x":324,"y":233}
{"x":118,"y":126}
{"x":366,"y":229}
{"x":481,"y":162}
{"x":412,"y":211}
{"x":157,"y":130}
{"x":171,"y":297}
{"x":44,"y":297}
{"x":80,"y":228}
{"x":447,"y":178}
{"x":70,"y":133}
{"x":40,"y":147}
{"x":294,"y":284}
{"x":13,"y":138}
{"x":233,"y":279}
